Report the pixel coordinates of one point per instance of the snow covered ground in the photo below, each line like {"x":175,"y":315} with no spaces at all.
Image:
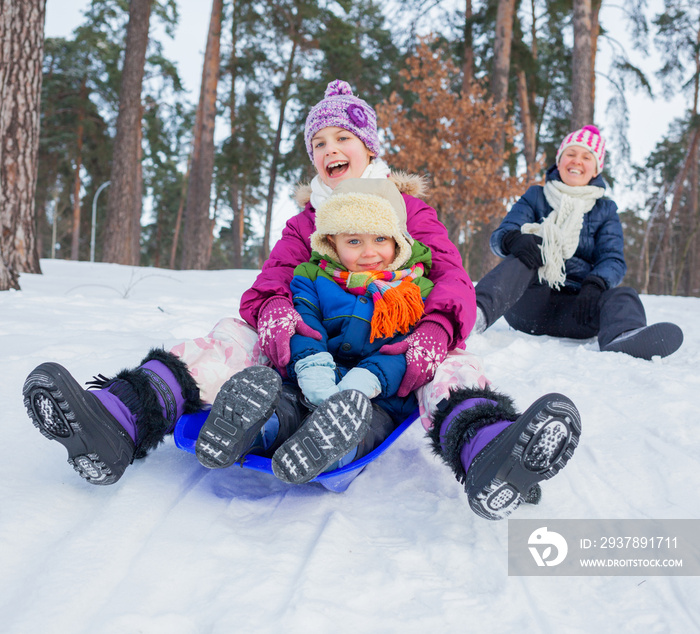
{"x":174,"y":548}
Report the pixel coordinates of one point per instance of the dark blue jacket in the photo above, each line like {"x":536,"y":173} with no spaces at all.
{"x":600,"y":247}
{"x":344,"y":321}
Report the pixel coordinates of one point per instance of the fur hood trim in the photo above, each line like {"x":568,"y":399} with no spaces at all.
{"x":411,"y":184}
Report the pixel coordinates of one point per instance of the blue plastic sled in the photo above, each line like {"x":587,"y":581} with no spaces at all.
{"x":188,"y":426}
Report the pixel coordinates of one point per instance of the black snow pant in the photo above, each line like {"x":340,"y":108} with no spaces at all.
{"x":513,"y":291}
{"x":292,"y":410}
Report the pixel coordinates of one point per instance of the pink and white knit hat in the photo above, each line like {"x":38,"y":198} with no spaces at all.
{"x":340,"y":108}
{"x":587,"y":137}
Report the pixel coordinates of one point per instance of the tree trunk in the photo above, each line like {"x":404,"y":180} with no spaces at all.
{"x":197,"y":225}
{"x":138,"y":193}
{"x":689,"y":232}
{"x":284,"y":97}
{"x":21,"y":53}
{"x":468,"y":61}
{"x":236,"y":203}
{"x":581,"y":88}
{"x":527,"y":125}
{"x":693,"y":280}
{"x":666,"y":272}
{"x":499,"y":91}
{"x":526,"y":98}
{"x":693,"y":223}
{"x":75,"y":241}
{"x":158,"y":237}
{"x":694,"y":263}
{"x":595,"y":33}
{"x":124,"y":196}
{"x":237,"y":225}
{"x":501,"y":64}
{"x":178,"y":218}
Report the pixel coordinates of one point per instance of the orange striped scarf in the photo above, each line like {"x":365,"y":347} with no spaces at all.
{"x":398,"y":304}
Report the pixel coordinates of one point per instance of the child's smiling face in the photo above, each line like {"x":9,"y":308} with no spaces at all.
{"x":338,"y":155}
{"x":577,"y":166}
{"x":359,"y":252}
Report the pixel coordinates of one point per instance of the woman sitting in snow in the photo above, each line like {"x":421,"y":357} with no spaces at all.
{"x":564,"y":260}
{"x":499,"y":455}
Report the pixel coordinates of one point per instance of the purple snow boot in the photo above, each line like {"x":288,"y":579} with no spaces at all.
{"x":501,"y":456}
{"x":121,"y":419}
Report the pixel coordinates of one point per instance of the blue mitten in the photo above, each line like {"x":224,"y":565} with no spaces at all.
{"x":316,"y":377}
{"x":362,"y":380}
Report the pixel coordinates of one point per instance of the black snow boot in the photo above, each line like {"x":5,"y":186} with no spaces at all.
{"x":660,"y":340}
{"x":334,"y":428}
{"x":104,"y":429}
{"x":501,"y":456}
{"x":243,"y":405}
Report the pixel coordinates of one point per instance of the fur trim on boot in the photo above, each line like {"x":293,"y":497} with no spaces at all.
{"x":509,"y":463}
{"x":136,"y":390}
{"x":465,"y":426}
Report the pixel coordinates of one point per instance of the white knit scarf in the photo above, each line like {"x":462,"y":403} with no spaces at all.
{"x":560,"y":230}
{"x":320,"y":191}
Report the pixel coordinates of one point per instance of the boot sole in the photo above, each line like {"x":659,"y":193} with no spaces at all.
{"x":241,"y":408}
{"x":660,"y":340}
{"x":534,"y":448}
{"x":331,"y":430}
{"x":99,"y":448}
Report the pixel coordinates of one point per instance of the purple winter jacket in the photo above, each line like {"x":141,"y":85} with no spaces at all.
{"x":451,"y":303}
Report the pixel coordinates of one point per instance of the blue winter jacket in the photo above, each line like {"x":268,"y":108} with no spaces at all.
{"x":600,"y":247}
{"x":344,"y":321}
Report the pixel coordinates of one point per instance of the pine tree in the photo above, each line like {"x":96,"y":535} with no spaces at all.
{"x":123,"y":228}
{"x":21,"y":49}
{"x":197,"y":224}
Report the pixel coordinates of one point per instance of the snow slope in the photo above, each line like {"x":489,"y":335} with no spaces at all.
{"x":175,"y":548}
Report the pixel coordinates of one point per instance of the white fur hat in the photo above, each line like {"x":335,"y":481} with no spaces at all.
{"x":363,"y":205}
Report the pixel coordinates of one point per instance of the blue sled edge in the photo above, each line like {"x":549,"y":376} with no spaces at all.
{"x":338,"y":480}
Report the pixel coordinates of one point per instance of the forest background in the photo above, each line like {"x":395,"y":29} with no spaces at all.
{"x":475,"y":95}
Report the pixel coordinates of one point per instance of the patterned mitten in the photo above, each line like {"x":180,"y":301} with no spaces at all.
{"x":425,"y":349}
{"x":277,"y":322}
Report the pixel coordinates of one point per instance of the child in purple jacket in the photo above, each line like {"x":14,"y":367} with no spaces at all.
{"x":499,"y":455}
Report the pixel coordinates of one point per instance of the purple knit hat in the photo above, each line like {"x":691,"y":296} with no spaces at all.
{"x":340,"y":108}
{"x":587,"y":137}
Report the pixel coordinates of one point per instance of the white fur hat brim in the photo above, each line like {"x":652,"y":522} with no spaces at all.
{"x":375,"y":208}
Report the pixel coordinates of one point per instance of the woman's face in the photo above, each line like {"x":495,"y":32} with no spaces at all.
{"x":339,"y":155}
{"x":577,"y":166}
